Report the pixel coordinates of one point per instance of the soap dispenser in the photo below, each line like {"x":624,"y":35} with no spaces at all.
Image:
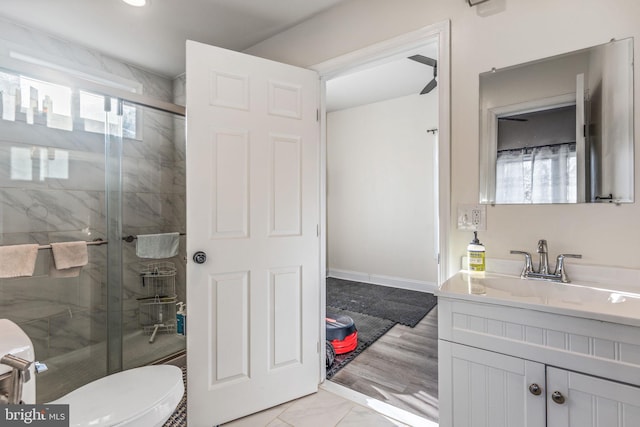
{"x":181,"y":319}
{"x":475,"y":255}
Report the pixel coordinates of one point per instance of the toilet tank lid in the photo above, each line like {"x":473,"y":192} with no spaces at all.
{"x":125,"y":396}
{"x":13,"y":340}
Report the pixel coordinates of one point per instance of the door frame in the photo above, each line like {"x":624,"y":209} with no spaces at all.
{"x":366,"y":58}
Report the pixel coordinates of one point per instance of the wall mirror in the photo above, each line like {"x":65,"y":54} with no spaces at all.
{"x":560,"y":129}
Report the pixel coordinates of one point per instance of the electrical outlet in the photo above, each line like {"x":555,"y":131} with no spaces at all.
{"x":472,"y":217}
{"x":476,"y":217}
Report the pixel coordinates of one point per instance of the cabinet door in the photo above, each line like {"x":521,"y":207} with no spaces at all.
{"x":590,"y":401}
{"x":487,"y":389}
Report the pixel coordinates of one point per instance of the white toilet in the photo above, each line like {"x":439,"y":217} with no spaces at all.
{"x":140,"y":397}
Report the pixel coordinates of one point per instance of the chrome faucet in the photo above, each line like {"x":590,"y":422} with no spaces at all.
{"x":560,"y":273}
{"x":543,"y":264}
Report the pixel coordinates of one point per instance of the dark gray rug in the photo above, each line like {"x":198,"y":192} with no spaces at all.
{"x":369,"y":328}
{"x":399,"y":305}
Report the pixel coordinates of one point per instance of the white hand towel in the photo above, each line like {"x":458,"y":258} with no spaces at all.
{"x":69,"y":258}
{"x":157,"y":246}
{"x":18,"y":260}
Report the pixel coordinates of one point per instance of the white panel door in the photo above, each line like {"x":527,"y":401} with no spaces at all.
{"x":253,"y":208}
{"x":583,"y":400}
{"x":490,"y":389}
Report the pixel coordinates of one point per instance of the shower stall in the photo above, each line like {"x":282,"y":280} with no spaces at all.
{"x":82,"y":161}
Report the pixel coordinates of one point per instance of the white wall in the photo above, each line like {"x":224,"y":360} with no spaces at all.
{"x":380,"y":190}
{"x":522,"y":31}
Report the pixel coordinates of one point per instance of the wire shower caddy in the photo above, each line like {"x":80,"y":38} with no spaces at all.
{"x":157,"y":309}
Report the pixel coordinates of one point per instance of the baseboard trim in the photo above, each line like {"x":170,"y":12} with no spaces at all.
{"x":375,"y":279}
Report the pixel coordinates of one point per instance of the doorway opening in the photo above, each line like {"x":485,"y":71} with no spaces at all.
{"x":386,"y":202}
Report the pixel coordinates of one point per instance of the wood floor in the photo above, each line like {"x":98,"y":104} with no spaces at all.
{"x":401,"y":368}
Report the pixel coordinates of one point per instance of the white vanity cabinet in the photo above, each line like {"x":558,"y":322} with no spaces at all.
{"x":590,"y":401}
{"x":527,"y":363}
{"x":488,"y":389}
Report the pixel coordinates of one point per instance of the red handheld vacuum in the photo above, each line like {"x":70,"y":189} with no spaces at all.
{"x":341,"y":333}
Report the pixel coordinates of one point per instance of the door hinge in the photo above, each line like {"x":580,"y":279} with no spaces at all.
{"x":318,"y":347}
{"x":317,"y":230}
{"x":317,"y":115}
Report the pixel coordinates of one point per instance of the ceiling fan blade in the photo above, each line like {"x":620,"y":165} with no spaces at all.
{"x":429,"y":87}
{"x":513,"y":119}
{"x":424,"y":60}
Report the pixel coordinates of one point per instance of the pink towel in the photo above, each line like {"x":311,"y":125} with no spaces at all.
{"x":18,"y":260}
{"x":69,"y":258}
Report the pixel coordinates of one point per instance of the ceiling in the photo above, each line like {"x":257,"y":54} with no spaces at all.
{"x":153,"y":37}
{"x":388,"y":79}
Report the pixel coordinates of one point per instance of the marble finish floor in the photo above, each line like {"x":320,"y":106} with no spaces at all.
{"x":332,"y":406}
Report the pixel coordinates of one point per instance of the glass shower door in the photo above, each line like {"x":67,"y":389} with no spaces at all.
{"x":52,"y":190}
{"x":153,"y":202}
{"x":145,"y":194}
{"x":113,"y":110}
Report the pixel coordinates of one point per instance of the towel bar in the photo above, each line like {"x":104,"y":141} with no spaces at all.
{"x":96,"y":242}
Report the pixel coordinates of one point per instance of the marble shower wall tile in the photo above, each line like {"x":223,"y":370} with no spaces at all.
{"x":23,"y":300}
{"x":154,"y":212}
{"x":179,"y":176}
{"x":29,"y":298}
{"x":180,"y":89}
{"x":75,"y":330}
{"x":180,"y":137}
{"x":50,"y":210}
{"x":92,"y":287}
{"x":38,"y":332}
{"x":156,"y":138}
{"x":174,"y":211}
{"x":141,"y":175}
{"x":142,"y":209}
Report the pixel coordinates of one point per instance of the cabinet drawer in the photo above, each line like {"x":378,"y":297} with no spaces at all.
{"x":598,"y":348}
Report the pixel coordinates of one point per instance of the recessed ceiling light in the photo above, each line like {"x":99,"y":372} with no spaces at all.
{"x":137,"y":3}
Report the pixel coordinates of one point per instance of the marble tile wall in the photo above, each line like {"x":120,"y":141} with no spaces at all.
{"x":65,"y":315}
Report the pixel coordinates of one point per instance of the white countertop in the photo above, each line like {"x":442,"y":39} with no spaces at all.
{"x":587,"y":300}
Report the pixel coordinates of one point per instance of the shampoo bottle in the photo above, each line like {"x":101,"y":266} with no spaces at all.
{"x":181,"y":319}
{"x":475,"y":255}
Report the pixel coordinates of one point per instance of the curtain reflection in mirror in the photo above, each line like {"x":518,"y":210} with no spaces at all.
{"x":545,"y":174}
